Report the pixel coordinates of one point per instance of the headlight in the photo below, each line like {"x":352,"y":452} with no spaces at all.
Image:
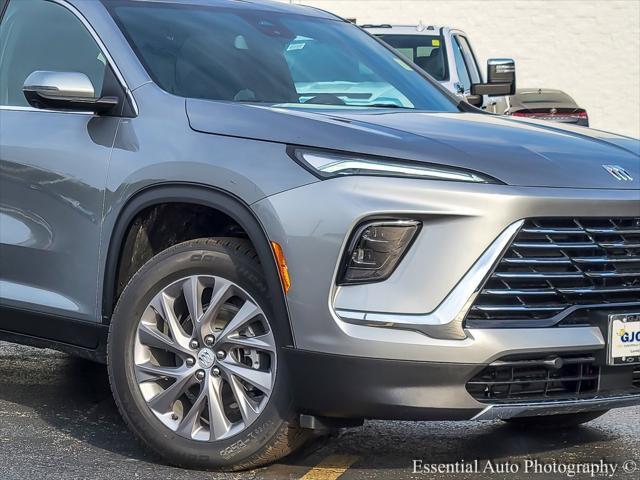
{"x":329,"y":164}
{"x":375,"y":250}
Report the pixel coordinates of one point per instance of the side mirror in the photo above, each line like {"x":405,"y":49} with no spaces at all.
{"x":475,"y":100}
{"x":66,"y":91}
{"x":501,"y":79}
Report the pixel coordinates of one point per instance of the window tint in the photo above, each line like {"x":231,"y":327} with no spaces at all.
{"x":461,"y":66}
{"x":240,"y":54}
{"x":41,"y":35}
{"x":426,"y":51}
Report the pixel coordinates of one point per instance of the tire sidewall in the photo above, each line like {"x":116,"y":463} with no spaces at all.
{"x":192,"y":258}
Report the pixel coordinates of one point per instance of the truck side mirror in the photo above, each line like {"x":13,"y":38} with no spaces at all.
{"x":501,"y":79}
{"x":475,"y":100}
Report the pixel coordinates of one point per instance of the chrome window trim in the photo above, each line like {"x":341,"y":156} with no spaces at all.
{"x":105,"y":52}
{"x":43,"y":110}
{"x":445,"y":322}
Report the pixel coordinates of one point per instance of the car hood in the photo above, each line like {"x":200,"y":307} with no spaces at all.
{"x":517,"y":152}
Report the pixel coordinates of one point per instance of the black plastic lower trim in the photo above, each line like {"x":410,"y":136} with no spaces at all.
{"x":45,"y":330}
{"x":340,"y":386}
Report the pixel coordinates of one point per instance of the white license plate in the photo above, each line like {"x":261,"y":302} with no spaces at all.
{"x":624,"y":339}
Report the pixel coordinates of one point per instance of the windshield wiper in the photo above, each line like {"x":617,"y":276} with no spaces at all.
{"x":386,"y":105}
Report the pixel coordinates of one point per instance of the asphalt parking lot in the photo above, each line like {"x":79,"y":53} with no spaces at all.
{"x":57,"y":421}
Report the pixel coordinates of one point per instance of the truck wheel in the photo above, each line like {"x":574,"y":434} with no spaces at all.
{"x":566,"y":420}
{"x":194,"y":359}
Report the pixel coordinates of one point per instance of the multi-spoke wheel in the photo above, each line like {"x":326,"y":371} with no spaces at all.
{"x":193,"y":358}
{"x":205,"y":357}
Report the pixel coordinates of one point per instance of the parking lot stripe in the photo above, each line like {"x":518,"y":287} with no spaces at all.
{"x":331,"y":467}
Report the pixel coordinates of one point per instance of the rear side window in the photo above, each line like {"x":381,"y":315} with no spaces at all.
{"x":426,"y":51}
{"x":41,"y":35}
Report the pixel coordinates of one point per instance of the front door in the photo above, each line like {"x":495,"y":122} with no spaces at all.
{"x":53,"y":168}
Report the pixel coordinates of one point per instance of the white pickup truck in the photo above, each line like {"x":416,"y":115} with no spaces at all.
{"x":446,"y":54}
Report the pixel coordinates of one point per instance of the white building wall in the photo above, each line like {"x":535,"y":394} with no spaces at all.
{"x":588,"y":48}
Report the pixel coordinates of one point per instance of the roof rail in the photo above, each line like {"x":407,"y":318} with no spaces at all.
{"x":420,"y":27}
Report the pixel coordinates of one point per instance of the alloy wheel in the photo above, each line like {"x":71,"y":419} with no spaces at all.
{"x":205,"y":358}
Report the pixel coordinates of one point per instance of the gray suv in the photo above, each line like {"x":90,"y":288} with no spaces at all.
{"x":268,"y":224}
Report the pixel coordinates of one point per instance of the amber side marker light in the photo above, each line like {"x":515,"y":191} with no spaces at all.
{"x":283,"y":270}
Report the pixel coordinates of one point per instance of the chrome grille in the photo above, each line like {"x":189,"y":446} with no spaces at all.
{"x":556,"y":263}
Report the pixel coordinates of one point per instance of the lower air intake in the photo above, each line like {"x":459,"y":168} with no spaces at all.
{"x":518,"y":378}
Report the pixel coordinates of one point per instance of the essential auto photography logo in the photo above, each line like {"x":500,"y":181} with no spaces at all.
{"x":529,"y":466}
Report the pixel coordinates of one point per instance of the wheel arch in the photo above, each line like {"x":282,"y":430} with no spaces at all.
{"x":197,"y":195}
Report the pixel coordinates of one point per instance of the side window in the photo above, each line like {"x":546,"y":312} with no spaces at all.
{"x":42,"y":35}
{"x":469,"y":59}
{"x":461,"y":66}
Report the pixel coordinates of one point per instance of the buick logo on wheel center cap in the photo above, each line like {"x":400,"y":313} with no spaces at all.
{"x":206,"y":358}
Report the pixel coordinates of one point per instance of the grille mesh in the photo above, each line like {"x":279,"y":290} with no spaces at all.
{"x":554,"y":264}
{"x":519,"y":379}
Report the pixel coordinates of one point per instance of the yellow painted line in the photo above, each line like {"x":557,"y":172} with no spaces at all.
{"x":331,"y":467}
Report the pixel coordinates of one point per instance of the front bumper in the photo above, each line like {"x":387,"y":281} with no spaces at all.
{"x":339,"y":386}
{"x":382,"y":359}
{"x":460,"y":222}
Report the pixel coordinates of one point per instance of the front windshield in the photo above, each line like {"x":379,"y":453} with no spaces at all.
{"x":242,"y":54}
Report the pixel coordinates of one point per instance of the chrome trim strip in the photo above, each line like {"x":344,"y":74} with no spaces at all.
{"x":619,"y":245}
{"x":571,"y":245}
{"x":537,"y":261}
{"x":445,"y":321}
{"x":612,"y":274}
{"x":537,"y":275}
{"x":501,"y":412}
{"x":518,"y":308}
{"x":616,"y":231}
{"x":579,"y":290}
{"x":554,"y":231}
{"x":31,"y":109}
{"x":517,"y":293}
{"x":578,"y":245}
{"x":601,"y":260}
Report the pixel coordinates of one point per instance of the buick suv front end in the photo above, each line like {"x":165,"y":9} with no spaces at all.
{"x":266,"y":222}
{"x":506,"y":302}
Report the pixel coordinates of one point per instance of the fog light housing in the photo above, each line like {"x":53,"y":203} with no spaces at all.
{"x":375,"y":250}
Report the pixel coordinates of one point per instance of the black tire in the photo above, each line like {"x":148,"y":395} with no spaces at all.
{"x":274,"y":434}
{"x":550,"y":422}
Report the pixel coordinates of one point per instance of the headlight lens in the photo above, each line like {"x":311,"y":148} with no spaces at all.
{"x":375,"y":250}
{"x":329,"y":164}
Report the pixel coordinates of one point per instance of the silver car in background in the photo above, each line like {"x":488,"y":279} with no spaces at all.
{"x":268,"y":224}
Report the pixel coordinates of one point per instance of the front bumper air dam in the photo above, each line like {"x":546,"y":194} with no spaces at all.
{"x":340,"y":386}
{"x":495,"y":412}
